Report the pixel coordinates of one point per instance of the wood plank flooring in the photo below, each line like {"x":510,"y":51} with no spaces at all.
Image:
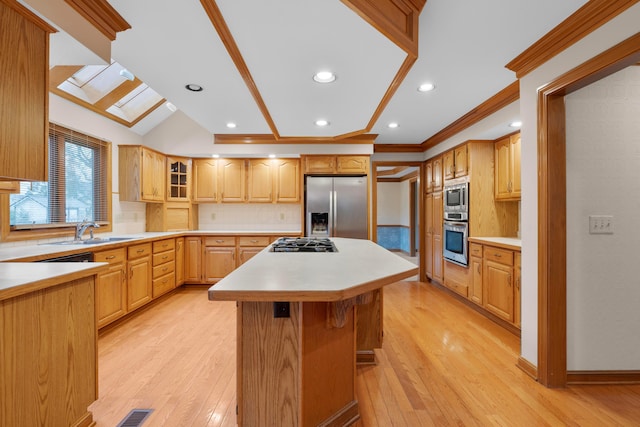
{"x":441,"y":364}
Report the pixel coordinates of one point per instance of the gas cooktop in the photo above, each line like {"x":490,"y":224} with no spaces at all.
{"x":303,"y":244}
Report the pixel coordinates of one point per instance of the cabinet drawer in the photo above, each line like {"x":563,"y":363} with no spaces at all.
{"x":501,"y":256}
{"x":475,"y":250}
{"x":163,"y":257}
{"x":254,"y":241}
{"x":138,"y":251}
{"x":162,"y":269}
{"x":113,"y":256}
{"x":163,"y":245}
{"x":163,"y":284}
{"x":220,"y":241}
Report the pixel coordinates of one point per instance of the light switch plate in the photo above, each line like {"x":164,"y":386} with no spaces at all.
{"x":600,"y":224}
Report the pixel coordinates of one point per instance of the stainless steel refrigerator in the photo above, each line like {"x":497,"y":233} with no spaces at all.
{"x":336,"y":207}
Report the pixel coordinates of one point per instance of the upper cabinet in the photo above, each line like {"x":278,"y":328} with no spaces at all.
{"x":178,"y":179}
{"x":246,"y":180}
{"x":336,"y":165}
{"x":24,"y":54}
{"x":141,"y":174}
{"x":433,"y":175}
{"x":507,"y":172}
{"x":455,"y":163}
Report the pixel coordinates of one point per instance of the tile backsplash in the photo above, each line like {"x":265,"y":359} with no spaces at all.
{"x":254,"y":216}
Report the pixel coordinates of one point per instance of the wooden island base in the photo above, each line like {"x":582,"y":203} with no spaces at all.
{"x":298,"y":370}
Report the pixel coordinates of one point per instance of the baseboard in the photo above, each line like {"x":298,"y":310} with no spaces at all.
{"x":603,"y":377}
{"x":528,"y":367}
{"x":365,"y":357}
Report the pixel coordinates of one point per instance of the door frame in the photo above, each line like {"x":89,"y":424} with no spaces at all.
{"x":552,"y":230}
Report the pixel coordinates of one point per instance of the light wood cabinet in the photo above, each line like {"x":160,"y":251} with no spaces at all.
{"x":475,"y":265}
{"x":163,"y":266}
{"x":111,"y":286}
{"x":205,"y":180}
{"x":498,"y":291}
{"x":171,"y":216}
{"x":434,"y":266}
{"x":231,"y":180}
{"x":141,"y":176}
{"x":24,"y":56}
{"x":287,"y":180}
{"x":322,"y":164}
{"x":455,"y":163}
{"x":9,"y":187}
{"x":180,"y":261}
{"x":178,"y":179}
{"x":193,"y":260}
{"x":507,"y":172}
{"x":259,"y":181}
{"x":433,"y":175}
{"x":218,"y":262}
{"x":139,"y":290}
{"x":248,"y":246}
{"x":517,"y":303}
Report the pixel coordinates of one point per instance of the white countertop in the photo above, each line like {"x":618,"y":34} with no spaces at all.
{"x":359,"y":266}
{"x":44,"y":250}
{"x":19,"y":278}
{"x":508,"y":242}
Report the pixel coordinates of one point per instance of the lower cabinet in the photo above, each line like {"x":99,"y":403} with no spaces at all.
{"x":193,"y":260}
{"x":139,"y":290}
{"x":111,"y":286}
{"x":179,"y":261}
{"x":248,"y":246}
{"x":475,"y":265}
{"x":163,"y":262}
{"x":219,"y":257}
{"x":498,"y":292}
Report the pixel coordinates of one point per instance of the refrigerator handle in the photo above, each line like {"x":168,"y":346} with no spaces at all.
{"x":334,"y":214}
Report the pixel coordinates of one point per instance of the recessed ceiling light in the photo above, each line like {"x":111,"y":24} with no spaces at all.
{"x":322,"y":122}
{"x":171,"y":107}
{"x":215,"y":156}
{"x":515,"y":124}
{"x":272,"y":156}
{"x":393,"y":125}
{"x":324,"y":77}
{"x":194,"y":87}
{"x":231,"y":125}
{"x":426,"y":87}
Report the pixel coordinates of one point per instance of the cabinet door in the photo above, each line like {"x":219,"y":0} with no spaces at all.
{"x":231,"y":173}
{"x":139,"y":283}
{"x":498,"y":289}
{"x":152,"y":179}
{"x":437,"y":174}
{"x":178,"y":179}
{"x":514,"y":171}
{"x":111,"y":294}
{"x":438,"y":266}
{"x":193,"y":260}
{"x":260,"y":181}
{"x":320,"y":164}
{"x":205,"y":180}
{"x":517,"y":304}
{"x":287,"y":181}
{"x":180,"y":261}
{"x":245,"y":254}
{"x":428,"y":177}
{"x":448,"y":166}
{"x":218,"y":262}
{"x":352,"y":164}
{"x":428,"y":257}
{"x":461,"y":166}
{"x":502,"y":159}
{"x":24,"y":95}
{"x":475,"y":293}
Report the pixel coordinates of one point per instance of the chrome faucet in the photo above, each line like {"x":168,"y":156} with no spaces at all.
{"x":81,"y":227}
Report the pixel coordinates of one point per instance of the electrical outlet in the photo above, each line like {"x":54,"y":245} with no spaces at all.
{"x":281,"y":216}
{"x":281,"y":309}
{"x":600,"y":224}
{"x":213,"y":216}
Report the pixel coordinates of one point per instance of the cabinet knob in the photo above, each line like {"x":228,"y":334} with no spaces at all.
{"x":219,"y":241}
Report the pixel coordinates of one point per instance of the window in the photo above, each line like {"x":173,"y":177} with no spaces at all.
{"x":78,"y":186}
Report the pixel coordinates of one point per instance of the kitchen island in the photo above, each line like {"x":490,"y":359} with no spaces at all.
{"x":296,"y":330}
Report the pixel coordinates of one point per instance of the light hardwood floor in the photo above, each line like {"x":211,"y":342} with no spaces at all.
{"x":441,"y":364}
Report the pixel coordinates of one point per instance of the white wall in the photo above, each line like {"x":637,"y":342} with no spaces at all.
{"x":603,"y":178}
{"x":393,"y":203}
{"x":615,"y":31}
{"x":284,"y":217}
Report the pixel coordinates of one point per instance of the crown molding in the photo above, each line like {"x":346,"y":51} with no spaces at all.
{"x":101,"y":15}
{"x":584,"y":21}
{"x":398,"y":148}
{"x":271,"y":139}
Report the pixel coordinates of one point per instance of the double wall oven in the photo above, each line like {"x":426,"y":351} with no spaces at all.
{"x":456,"y":223}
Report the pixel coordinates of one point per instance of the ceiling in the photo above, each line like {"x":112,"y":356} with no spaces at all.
{"x":462,"y":49}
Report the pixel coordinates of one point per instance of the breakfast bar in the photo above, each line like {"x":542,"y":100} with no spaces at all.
{"x":296,"y":330}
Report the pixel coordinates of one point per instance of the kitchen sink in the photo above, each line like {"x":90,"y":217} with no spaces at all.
{"x":94,"y":241}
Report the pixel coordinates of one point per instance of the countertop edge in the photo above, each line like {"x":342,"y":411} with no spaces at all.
{"x":502,"y":242}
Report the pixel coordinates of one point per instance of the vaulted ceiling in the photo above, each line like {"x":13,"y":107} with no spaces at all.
{"x":255,"y":61}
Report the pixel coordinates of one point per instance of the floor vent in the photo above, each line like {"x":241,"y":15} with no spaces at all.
{"x":135,"y":418}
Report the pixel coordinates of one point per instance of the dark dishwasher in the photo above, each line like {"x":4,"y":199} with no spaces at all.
{"x":81,"y":257}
